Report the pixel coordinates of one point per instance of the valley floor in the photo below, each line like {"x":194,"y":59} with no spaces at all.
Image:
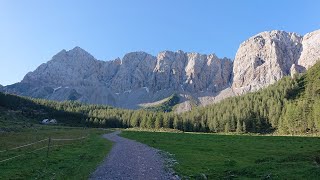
{"x":198,"y":156}
{"x":211,"y":156}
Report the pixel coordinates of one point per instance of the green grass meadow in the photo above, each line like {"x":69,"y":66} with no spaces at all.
{"x":237,"y":156}
{"x":74,"y":159}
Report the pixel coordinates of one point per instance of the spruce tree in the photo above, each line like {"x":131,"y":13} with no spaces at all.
{"x":227,"y":127}
{"x":244,"y":127}
{"x":239,"y":127}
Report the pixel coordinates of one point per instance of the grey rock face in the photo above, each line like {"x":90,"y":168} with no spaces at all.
{"x":264,"y":59}
{"x":191,"y":72}
{"x":67,"y":68}
{"x":311,"y":49}
{"x":135,"y":71}
{"x":268,"y":56}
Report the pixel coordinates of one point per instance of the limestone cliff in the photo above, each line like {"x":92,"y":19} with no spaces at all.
{"x":266,"y":57}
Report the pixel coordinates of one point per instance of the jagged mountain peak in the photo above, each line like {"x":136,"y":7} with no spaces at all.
{"x":79,"y":52}
{"x":136,"y":57}
{"x":75,"y":54}
{"x":77,"y":48}
{"x":65,"y":68}
{"x":181,"y":52}
{"x":171,"y":52}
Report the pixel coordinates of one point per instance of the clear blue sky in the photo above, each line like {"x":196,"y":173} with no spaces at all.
{"x":32,"y":31}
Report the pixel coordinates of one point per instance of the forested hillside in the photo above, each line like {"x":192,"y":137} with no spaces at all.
{"x":291,"y":106}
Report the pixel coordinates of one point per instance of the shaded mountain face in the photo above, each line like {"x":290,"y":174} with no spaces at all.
{"x":140,"y":78}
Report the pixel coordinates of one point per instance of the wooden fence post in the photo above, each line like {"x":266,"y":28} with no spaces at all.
{"x":49,"y":141}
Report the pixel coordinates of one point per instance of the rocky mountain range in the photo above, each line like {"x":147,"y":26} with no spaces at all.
{"x":140,"y":79}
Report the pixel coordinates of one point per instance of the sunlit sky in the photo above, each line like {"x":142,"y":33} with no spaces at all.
{"x":32,"y":31}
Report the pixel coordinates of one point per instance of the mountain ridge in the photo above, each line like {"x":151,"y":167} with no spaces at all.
{"x":140,"y":78}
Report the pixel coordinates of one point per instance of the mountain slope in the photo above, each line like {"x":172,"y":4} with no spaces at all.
{"x":290,"y":106}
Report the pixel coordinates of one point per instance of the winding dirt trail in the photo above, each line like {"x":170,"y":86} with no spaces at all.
{"x":129,"y":159}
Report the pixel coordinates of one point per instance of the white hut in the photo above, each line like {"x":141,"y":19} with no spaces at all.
{"x":45,"y":121}
{"x":53,"y":121}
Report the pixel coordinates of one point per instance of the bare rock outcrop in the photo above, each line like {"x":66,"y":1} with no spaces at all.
{"x":311,"y":49}
{"x":267,"y":57}
{"x":134,"y":72}
{"x":264,"y":59}
{"x":191,"y":72}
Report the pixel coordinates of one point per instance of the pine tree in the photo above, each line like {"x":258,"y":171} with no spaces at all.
{"x":176,"y":122}
{"x":159,"y":121}
{"x":227,"y":127}
{"x":239,"y":127}
{"x":144,"y":121}
{"x":244,"y":127}
{"x":316,"y":114}
{"x":150,"y":122}
{"x":166,"y":121}
{"x":96,"y":122}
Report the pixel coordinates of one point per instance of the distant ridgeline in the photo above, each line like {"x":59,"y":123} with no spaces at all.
{"x":290,"y":106}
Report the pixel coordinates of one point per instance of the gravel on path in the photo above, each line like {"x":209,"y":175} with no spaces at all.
{"x":129,"y":159}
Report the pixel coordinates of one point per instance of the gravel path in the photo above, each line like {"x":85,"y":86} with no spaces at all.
{"x":129,"y":159}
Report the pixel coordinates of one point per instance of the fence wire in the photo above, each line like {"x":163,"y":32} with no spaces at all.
{"x":44,"y":147}
{"x":26,"y":145}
